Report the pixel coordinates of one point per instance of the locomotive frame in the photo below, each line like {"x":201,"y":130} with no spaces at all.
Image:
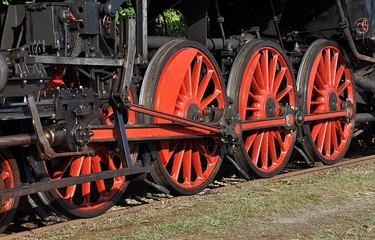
{"x":83,"y":96}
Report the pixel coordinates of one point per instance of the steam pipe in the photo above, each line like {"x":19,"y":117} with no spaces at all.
{"x":364,"y":82}
{"x":365,"y":117}
{"x":53,"y":137}
{"x":17,"y":140}
{"x":212,"y":44}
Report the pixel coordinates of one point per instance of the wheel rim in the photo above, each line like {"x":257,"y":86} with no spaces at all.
{"x":188,"y":84}
{"x":88,"y":196}
{"x":266,"y":90}
{"x":9,"y":179}
{"x":330,"y":84}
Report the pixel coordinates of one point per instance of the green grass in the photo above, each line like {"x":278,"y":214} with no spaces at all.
{"x":248,"y":210}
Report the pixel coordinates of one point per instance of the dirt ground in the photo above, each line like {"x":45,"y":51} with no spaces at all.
{"x":336,"y":204}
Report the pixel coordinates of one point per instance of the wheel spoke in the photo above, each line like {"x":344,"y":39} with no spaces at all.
{"x":202,"y":88}
{"x":316,"y":103}
{"x":257,"y":148}
{"x":86,"y":169}
{"x":95,"y":167}
{"x":187,"y":163}
{"x":167,"y":149}
{"x":265,"y":68}
{"x":197,"y":164}
{"x":183,"y":90}
{"x":255,"y":88}
{"x":340,"y":130}
{"x":322,"y":137}
{"x":69,"y":192}
{"x":342,"y":87}
{"x":177,"y":160}
{"x":249,"y":141}
{"x":210,"y":98}
{"x":328,"y":139}
{"x":259,"y":76}
{"x":61,"y":169}
{"x":335,"y":142}
{"x":196,"y":75}
{"x":188,"y":82}
{"x":318,"y":91}
{"x":76,"y":166}
{"x":339,"y":74}
{"x":253,"y":97}
{"x":272,"y":147}
{"x":283,"y":93}
{"x":278,"y":80}
{"x":322,"y":70}
{"x":272,"y":70}
{"x":316,"y":130}
{"x":327,"y":66}
{"x":280,"y":141}
{"x":264,"y":151}
{"x":319,"y":81}
{"x":210,"y":157}
{"x":252,"y":109}
{"x":334,"y":63}
{"x":4,"y":175}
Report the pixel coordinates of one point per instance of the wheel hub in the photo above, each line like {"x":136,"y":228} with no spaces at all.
{"x":193,"y":112}
{"x":333,"y":102}
{"x":270,"y":108}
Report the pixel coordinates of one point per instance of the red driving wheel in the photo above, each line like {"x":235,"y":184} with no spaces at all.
{"x":183,"y":79}
{"x":326,"y":83}
{"x":262,"y":86}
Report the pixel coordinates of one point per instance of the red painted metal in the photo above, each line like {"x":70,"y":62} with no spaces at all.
{"x":9,"y":179}
{"x":327,"y":115}
{"x":168,"y":117}
{"x":150,"y":132}
{"x":330,"y":76}
{"x":267,"y":85}
{"x":188,"y":82}
{"x":58,"y":77}
{"x":89,"y":196}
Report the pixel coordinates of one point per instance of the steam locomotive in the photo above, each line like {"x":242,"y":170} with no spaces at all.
{"x":91,"y":100}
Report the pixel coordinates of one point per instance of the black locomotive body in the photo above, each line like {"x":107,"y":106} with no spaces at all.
{"x":91,"y":99}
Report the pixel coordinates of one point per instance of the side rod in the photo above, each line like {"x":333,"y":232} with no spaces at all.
{"x":130,"y":173}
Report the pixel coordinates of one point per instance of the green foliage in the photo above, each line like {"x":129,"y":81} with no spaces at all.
{"x":171,"y":23}
{"x":128,"y":10}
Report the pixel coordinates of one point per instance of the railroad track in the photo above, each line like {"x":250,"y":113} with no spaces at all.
{"x":143,"y":200}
